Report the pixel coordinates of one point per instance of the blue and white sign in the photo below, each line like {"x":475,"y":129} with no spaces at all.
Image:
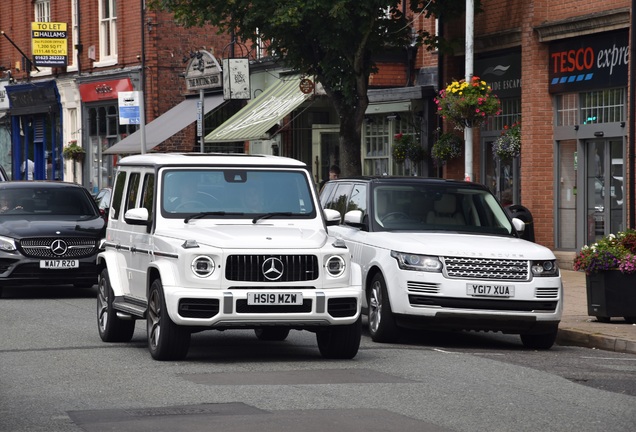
{"x":129,"y":107}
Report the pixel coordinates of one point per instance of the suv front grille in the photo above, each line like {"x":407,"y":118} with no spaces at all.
{"x":252,"y":268}
{"x":76,"y":247}
{"x":486,"y":268}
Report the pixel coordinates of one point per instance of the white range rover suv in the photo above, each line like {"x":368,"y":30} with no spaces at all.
{"x":441,"y":254}
{"x":211,"y":241}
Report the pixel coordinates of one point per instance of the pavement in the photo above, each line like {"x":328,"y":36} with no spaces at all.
{"x":579,"y":329}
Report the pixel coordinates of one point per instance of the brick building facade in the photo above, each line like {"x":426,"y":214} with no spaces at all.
{"x":572,"y":111}
{"x":108,"y":43}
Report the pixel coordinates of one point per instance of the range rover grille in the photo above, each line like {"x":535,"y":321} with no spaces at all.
{"x":58,"y":247}
{"x":272,"y":268}
{"x":486,"y":268}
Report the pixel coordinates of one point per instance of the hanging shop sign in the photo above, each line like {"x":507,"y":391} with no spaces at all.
{"x":236,"y":79}
{"x":104,"y":90}
{"x":203,"y":72}
{"x":589,"y":62}
{"x":49,"y":44}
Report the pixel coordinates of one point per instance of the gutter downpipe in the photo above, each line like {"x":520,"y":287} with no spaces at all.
{"x":632,"y":120}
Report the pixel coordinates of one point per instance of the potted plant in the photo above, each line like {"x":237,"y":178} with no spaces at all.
{"x":405,"y":147}
{"x":508,"y":145}
{"x":73,"y":151}
{"x":610,"y":273}
{"x":447,"y":146}
{"x":467,"y":104}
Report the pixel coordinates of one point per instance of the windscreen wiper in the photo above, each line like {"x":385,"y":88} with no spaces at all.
{"x":215,"y":213}
{"x":269,"y":215}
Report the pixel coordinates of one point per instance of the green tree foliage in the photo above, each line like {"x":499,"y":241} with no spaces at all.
{"x":333,"y":40}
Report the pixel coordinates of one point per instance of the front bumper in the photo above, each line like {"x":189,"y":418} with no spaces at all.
{"x":431,"y":300}
{"x":229,"y":308}
{"x":20,"y":270}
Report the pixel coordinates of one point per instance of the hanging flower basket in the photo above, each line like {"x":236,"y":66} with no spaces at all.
{"x":73,"y":152}
{"x":508,"y":145}
{"x":467,"y":104}
{"x":448,"y":146}
{"x":405,"y":147}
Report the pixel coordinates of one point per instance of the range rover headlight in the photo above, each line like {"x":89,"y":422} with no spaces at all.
{"x":202,"y":266}
{"x":7,"y":244}
{"x":416,"y":262}
{"x":548,"y":268}
{"x":335,"y":265}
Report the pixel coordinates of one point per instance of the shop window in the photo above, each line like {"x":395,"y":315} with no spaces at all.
{"x":603,"y":106}
{"x":510,"y":112}
{"x":379,"y":135}
{"x":566,"y":199}
{"x":567,"y":109}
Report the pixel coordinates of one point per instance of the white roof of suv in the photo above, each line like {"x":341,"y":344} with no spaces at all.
{"x":196,"y":159}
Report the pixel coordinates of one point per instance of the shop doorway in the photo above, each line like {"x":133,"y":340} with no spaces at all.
{"x":604,"y":198}
{"x":501,"y":176}
{"x":325,"y":144}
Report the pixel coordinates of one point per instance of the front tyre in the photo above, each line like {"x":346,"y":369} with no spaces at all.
{"x":382,"y":327}
{"x":166,"y":340}
{"x":341,"y":341}
{"x":542,"y":341}
{"x":111,"y":328}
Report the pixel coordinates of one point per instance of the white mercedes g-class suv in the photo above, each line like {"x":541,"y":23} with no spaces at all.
{"x":224,"y":241}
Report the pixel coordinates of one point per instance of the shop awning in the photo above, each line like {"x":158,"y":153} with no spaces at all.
{"x":261,"y":114}
{"x":166,"y":125}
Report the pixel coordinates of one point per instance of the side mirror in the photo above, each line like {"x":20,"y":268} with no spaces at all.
{"x":354,"y":218}
{"x":519,"y":225}
{"x":136,"y":216}
{"x":332,"y":217}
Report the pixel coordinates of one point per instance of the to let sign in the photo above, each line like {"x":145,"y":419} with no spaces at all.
{"x":49,"y":44}
{"x":129,"y":112}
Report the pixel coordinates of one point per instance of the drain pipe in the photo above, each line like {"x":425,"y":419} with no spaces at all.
{"x":632,"y":120}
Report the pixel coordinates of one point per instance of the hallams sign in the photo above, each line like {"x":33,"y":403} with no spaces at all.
{"x":49,"y":44}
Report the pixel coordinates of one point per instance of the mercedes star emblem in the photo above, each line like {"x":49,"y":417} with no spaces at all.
{"x":273,"y":269}
{"x":59,"y":247}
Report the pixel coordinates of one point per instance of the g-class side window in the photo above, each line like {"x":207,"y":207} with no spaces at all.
{"x":133,"y":191}
{"x":147,"y":194}
{"x":118,"y":192}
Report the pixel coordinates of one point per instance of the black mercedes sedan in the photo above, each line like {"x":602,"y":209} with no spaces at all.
{"x":50,"y":234}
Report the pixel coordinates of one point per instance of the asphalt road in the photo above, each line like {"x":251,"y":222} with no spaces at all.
{"x":57,"y":375}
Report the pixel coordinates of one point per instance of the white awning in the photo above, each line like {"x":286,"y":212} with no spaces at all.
{"x":261,"y":114}
{"x":166,"y":125}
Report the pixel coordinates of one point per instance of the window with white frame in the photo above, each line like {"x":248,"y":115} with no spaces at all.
{"x":42,"y":9}
{"x":379,"y":137}
{"x":72,"y":60}
{"x":107,"y":30}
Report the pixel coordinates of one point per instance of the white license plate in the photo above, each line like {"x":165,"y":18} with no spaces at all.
{"x":59,"y":264}
{"x":490,"y":290}
{"x":275,"y":298}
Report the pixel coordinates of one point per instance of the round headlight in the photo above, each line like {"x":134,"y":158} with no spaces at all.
{"x":202,"y":266}
{"x":335,"y":266}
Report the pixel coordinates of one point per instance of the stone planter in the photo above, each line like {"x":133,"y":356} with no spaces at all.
{"x":611,"y":294}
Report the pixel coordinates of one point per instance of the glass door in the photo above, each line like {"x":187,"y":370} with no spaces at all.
{"x":605,"y":188}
